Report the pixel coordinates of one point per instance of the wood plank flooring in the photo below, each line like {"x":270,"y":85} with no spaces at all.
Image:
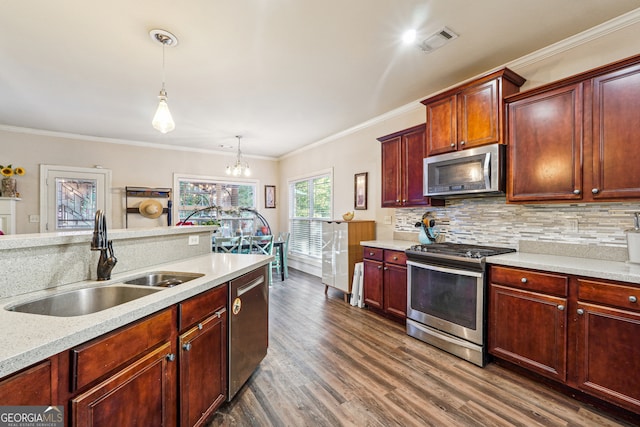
{"x":331,"y":364}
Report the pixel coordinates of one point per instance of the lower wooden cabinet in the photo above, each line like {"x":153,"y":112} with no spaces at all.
{"x":202,"y":355}
{"x":142,"y":394}
{"x":33,"y":386}
{"x":580,"y":332}
{"x":385,"y":281}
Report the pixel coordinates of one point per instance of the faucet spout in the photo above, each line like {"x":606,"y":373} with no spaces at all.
{"x":102,"y":244}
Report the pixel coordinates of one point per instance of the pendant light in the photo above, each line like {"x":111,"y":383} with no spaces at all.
{"x":162,"y":120}
{"x":240,"y":168}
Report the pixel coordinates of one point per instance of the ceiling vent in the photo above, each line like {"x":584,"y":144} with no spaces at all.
{"x":437,"y":40}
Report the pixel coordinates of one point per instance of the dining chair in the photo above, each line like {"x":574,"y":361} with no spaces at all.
{"x":263,"y":245}
{"x":227,"y":244}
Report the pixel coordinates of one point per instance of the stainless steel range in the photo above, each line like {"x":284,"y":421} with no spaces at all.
{"x":446,"y":299}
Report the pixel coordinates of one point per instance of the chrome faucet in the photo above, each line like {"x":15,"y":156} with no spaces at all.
{"x":100,"y":243}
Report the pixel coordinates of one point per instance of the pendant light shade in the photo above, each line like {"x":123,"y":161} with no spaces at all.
{"x":162,"y":120}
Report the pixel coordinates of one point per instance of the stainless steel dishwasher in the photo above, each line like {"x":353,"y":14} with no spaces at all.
{"x":248,"y":326}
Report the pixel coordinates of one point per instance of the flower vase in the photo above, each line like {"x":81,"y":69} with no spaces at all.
{"x":8,"y":188}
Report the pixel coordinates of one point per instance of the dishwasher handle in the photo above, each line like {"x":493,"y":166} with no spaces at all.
{"x":246,"y":288}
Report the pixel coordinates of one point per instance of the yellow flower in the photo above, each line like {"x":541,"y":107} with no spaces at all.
{"x":8,"y":171}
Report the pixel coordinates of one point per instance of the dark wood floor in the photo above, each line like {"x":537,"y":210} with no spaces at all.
{"x":331,"y":364}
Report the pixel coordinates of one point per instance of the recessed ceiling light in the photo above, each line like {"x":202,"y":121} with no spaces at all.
{"x":409,"y":36}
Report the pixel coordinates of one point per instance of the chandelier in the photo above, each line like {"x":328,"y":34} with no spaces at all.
{"x":162,"y":120}
{"x":240,"y":168}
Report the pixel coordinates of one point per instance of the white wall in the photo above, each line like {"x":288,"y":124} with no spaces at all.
{"x":130,"y":166}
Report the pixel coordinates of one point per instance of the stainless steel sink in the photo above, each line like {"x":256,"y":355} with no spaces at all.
{"x":83,"y":301}
{"x":165,"y":279}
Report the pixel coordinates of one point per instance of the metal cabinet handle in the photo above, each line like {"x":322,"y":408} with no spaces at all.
{"x":385,"y":269}
{"x":576,"y":191}
{"x":633,"y":299}
{"x":524,"y":280}
{"x":580,"y":311}
{"x":397,"y":200}
{"x":171,"y":357}
{"x":371,"y":254}
{"x":461,"y":142}
{"x":595,"y":190}
{"x":187,"y":346}
{"x":453,"y":144}
{"x":395,"y":258}
{"x":379,"y":267}
{"x":404,"y":200}
{"x":561,"y":307}
{"x":200,"y":326}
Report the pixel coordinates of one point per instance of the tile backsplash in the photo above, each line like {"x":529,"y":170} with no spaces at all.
{"x":491,"y":221}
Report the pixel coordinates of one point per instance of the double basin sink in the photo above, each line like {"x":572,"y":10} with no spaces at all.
{"x":93,"y":299}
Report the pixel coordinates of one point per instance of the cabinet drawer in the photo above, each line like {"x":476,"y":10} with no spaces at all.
{"x":395,"y":257}
{"x":531,"y":280}
{"x":373,"y":253}
{"x":199,"y":307}
{"x":100,"y":356}
{"x":621,"y":296}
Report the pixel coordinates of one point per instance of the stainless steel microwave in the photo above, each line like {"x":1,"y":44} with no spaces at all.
{"x":474,"y":172}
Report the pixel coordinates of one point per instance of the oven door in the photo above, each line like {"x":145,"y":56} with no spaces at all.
{"x":447,"y":299}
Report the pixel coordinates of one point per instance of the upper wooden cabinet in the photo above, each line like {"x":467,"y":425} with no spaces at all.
{"x":469,"y":115}
{"x":573,"y":140}
{"x":402,"y":165}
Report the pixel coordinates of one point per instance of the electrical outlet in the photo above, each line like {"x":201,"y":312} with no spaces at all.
{"x":34,"y":218}
{"x":194,"y":240}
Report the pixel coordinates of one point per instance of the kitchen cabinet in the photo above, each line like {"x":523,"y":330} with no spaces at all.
{"x":469,"y":115}
{"x":578,"y":331}
{"x":402,"y":169}
{"x":202,"y":356}
{"x":607,"y":347}
{"x":528,"y":320}
{"x":341,"y":250}
{"x":570,"y":140}
{"x":127,"y":377}
{"x":32,"y":386}
{"x":385,"y":281}
{"x":8,"y":215}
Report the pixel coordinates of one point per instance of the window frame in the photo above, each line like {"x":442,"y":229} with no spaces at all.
{"x":290,"y":217}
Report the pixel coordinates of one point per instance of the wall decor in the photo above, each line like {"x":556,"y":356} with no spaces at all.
{"x":269,"y":196}
{"x":360,"y":191}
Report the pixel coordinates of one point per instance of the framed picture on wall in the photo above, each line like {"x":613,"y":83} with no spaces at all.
{"x":360,"y":191}
{"x":269,"y":196}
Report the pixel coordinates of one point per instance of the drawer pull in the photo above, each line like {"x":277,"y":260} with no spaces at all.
{"x":561,"y":307}
{"x":379,"y":267}
{"x":524,"y":280}
{"x":200,"y":326}
{"x":395,"y":258}
{"x":580,"y":311}
{"x":633,"y":299}
{"x":371,"y":254}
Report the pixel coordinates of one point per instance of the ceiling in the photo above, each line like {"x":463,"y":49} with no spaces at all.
{"x":281,"y":73}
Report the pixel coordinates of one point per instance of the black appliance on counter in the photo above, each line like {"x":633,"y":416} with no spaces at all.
{"x":446,"y":297}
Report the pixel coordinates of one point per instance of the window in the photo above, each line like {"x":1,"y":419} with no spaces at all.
{"x":195,"y":193}
{"x":310,"y":206}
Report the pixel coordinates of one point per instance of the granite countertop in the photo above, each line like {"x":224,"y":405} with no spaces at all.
{"x":395,"y":244}
{"x":623,"y":271}
{"x":30,"y":338}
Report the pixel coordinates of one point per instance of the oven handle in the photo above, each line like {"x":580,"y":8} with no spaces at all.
{"x":445,"y":269}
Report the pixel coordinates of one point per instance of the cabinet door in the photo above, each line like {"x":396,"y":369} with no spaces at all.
{"x":529,"y":329}
{"x":395,"y":290}
{"x":441,"y":136}
{"x":372,"y":283}
{"x":608,"y":353}
{"x":479,"y":115}
{"x":545,"y":146}
{"x":33,"y":386}
{"x":391,"y":172}
{"x":413,"y":156}
{"x":142,"y":394}
{"x":203,"y":369}
{"x":616,"y":103}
